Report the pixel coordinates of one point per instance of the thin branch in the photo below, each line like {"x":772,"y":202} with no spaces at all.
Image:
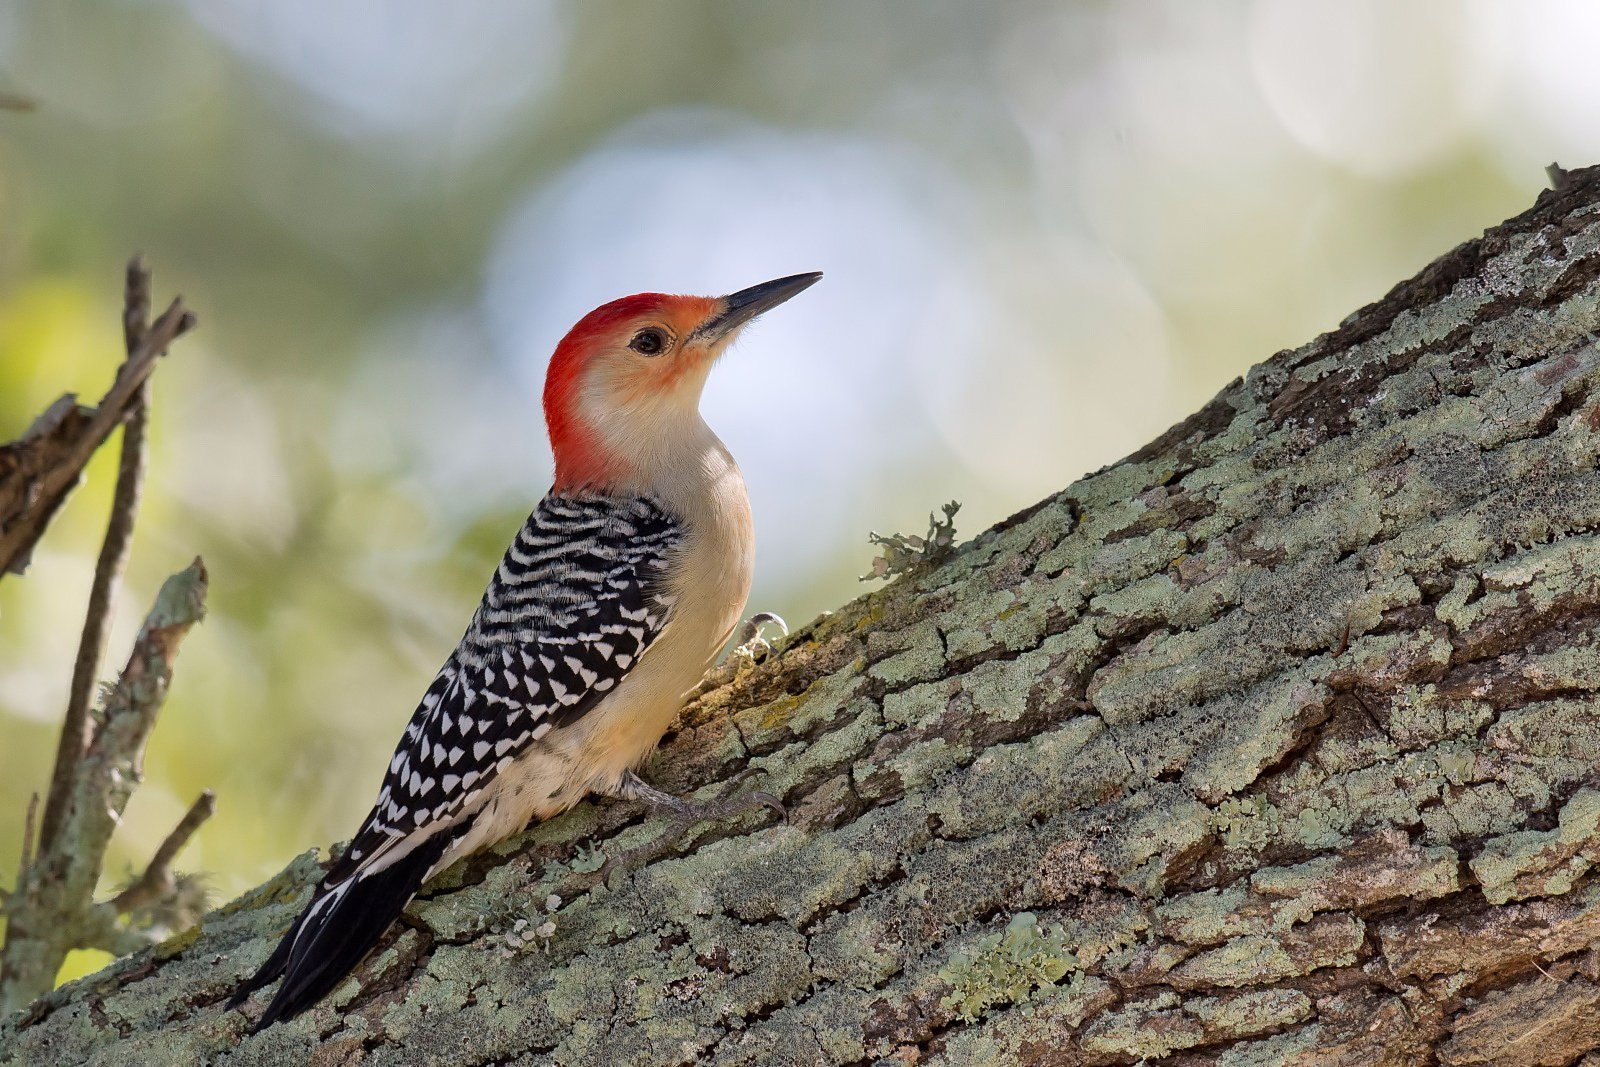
{"x":113,"y":761}
{"x":37,"y":472}
{"x":77,"y":727}
{"x":27,"y":836}
{"x":157,"y":880}
{"x":135,"y":304}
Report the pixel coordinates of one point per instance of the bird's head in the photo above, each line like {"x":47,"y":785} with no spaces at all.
{"x":624,"y":384}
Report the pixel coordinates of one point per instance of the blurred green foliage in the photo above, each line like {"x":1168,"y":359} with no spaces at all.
{"x":1051,"y":230}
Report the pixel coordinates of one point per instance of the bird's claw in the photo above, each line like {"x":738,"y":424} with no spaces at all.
{"x":753,"y":647}
{"x":766,"y":800}
{"x":740,"y":776}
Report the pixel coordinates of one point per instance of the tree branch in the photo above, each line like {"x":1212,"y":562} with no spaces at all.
{"x":53,"y":909}
{"x":76,"y":728}
{"x":114,"y":762}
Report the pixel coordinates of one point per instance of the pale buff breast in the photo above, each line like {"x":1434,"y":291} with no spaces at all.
{"x":711,"y":582}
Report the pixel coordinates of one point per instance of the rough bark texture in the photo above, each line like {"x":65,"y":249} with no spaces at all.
{"x":1275,"y":743}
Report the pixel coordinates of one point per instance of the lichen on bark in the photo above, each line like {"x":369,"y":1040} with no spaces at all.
{"x":1286,"y":724}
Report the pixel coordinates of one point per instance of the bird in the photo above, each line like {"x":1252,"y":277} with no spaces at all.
{"x":608,"y":607}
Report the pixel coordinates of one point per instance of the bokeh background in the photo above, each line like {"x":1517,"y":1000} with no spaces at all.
{"x":1050,"y":230}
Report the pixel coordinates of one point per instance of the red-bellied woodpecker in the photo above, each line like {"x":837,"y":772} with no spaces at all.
{"x":606,"y":610}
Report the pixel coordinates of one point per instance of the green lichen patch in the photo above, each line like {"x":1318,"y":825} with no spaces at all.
{"x":1035,"y":1032}
{"x":1007,"y":967}
{"x":1325,"y":941}
{"x":920,"y":657}
{"x":1264,"y":726}
{"x":766,"y":725}
{"x":905,"y":552}
{"x":1148,"y":1029}
{"x":1248,"y":1013}
{"x":1160,"y":825}
{"x":1209,"y":916}
{"x":1247,"y":824}
{"x":1542,"y":862}
{"x":1279,"y":1050}
{"x":871,"y":943}
{"x":496,"y":900}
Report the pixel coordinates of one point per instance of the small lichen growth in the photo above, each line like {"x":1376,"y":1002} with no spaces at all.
{"x":524,"y":932}
{"x":589,"y":858}
{"x":902,"y":552}
{"x":1007,"y":968}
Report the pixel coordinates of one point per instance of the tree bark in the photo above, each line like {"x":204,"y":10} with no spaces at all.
{"x":1275,"y":743}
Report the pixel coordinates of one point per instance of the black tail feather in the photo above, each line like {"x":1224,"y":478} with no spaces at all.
{"x":337,"y":930}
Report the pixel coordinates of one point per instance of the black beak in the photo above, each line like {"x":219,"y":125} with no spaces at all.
{"x":746,"y":304}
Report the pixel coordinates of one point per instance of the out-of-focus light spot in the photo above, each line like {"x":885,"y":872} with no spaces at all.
{"x":409,"y":68}
{"x":35,"y":668}
{"x":1377,"y":87}
{"x":1151,"y":139}
{"x":1167,"y":80}
{"x":8,"y":35}
{"x":814,"y":398}
{"x":231,"y":467}
{"x":1552,"y":90}
{"x":1073,"y":369}
{"x":426,"y":406}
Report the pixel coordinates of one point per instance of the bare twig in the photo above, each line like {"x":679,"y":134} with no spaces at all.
{"x":114,"y":760}
{"x":27,"y":836}
{"x":135,"y":304}
{"x":157,"y":880}
{"x":76,"y":728}
{"x":37,"y":472}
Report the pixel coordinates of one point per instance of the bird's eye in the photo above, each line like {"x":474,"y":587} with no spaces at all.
{"x":651,"y":342}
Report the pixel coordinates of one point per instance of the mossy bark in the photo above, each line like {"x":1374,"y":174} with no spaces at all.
{"x":1275,"y":743}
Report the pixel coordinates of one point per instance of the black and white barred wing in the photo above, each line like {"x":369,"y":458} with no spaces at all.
{"x":577,"y":600}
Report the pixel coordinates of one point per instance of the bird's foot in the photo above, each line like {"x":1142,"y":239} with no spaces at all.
{"x":682,"y":815}
{"x":753,"y":647}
